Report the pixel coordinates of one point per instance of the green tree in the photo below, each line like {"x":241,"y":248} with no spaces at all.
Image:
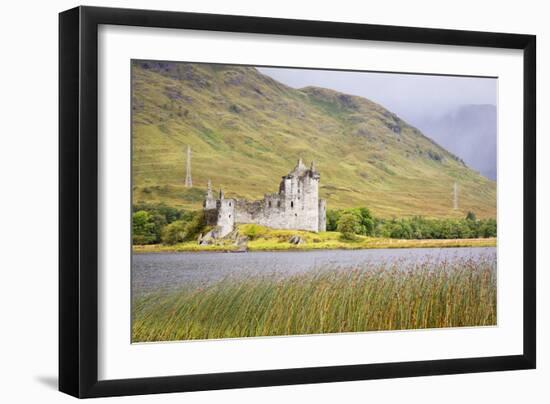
{"x":349,"y":226}
{"x":143,"y":228}
{"x":401,"y":229}
{"x":367,"y":222}
{"x":471,"y":216}
{"x":332,"y":219}
{"x":170,"y":214}
{"x":488,"y":228}
{"x":174,"y":232}
{"x":463,"y":230}
{"x":160,"y":222}
{"x":195,"y":225}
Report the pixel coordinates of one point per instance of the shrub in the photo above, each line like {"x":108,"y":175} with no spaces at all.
{"x":151,"y":224}
{"x":144,"y":228}
{"x":368,"y":223}
{"x":253,"y":231}
{"x":170,"y":214}
{"x":488,"y":228}
{"x":174,"y":232}
{"x":195,"y":226}
{"x":349,"y":226}
{"x":332,"y":219}
{"x":421,"y":228}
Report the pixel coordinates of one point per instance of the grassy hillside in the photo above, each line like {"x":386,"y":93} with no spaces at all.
{"x":246,"y":130}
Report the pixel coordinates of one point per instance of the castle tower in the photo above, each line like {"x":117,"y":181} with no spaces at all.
{"x":188,"y":180}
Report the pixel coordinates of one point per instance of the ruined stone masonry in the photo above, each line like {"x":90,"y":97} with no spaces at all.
{"x":296,"y":205}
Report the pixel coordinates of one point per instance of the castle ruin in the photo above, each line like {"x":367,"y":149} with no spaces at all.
{"x":296,"y":205}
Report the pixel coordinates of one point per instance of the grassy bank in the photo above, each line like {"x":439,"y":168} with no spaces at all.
{"x":265,"y":239}
{"x":433,"y":295}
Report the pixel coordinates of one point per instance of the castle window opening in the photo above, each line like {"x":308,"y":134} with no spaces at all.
{"x":292,"y":204}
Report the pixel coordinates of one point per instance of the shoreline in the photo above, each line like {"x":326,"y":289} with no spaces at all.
{"x":374,"y":245}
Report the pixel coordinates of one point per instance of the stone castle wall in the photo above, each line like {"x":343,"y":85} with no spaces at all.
{"x":226,"y":216}
{"x":296,"y":206}
{"x":277,"y":213}
{"x":322,"y":215}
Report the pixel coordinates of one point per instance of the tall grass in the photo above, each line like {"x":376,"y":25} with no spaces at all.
{"x":458,"y":293}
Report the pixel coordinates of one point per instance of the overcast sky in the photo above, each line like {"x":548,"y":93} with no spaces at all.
{"x":412,"y":97}
{"x":434,"y":104}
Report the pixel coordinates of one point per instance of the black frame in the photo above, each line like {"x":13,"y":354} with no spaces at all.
{"x":78,"y":193}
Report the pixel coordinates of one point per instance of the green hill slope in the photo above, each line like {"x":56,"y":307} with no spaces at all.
{"x":246,"y":130}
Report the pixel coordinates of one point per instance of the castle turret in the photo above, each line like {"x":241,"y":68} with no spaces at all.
{"x":300,"y":168}
{"x":209,"y":201}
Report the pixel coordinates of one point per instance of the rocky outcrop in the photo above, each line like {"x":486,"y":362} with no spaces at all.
{"x":214,"y":237}
{"x":296,"y":240}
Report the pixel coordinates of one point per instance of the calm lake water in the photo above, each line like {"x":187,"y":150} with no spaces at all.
{"x":155,"y":271}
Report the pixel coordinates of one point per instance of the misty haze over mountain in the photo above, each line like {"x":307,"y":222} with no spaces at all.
{"x":457,"y":112}
{"x":469,"y":131}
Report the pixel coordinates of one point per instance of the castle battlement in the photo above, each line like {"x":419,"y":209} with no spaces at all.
{"x":295,"y":206}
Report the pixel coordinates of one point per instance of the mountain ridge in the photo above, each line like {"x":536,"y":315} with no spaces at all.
{"x":246,"y":130}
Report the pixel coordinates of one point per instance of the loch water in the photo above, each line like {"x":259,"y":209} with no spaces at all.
{"x":168,"y":271}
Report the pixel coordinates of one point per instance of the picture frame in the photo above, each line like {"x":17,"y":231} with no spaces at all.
{"x":78,"y":201}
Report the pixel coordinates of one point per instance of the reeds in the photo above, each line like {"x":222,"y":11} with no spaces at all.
{"x":396,"y":296}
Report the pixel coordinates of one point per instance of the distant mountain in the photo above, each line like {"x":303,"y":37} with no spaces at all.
{"x":246,"y":130}
{"x":469,"y":132}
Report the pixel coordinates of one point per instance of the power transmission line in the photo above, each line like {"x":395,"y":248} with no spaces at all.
{"x":188,"y":179}
{"x":455,"y":196}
